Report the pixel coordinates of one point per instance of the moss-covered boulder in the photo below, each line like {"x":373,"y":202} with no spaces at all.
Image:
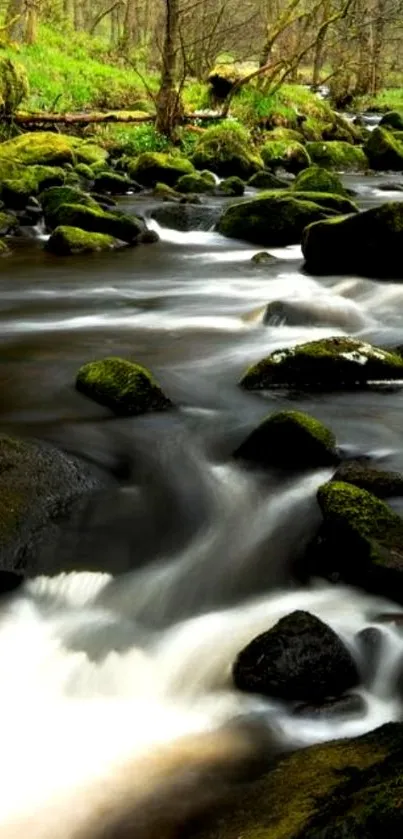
{"x":234,"y":187}
{"x":28,"y":181}
{"x":8,"y":224}
{"x":69,"y":241}
{"x":338,"y":155}
{"x":291,"y":156}
{"x":346,"y":789}
{"x":227,"y":150}
{"x":384,"y":151}
{"x":13,"y":85}
{"x":113,"y":183}
{"x":369,"y":243}
{"x":167,"y":193}
{"x":267,"y":180}
{"x":38,"y":484}
{"x":339,"y":204}
{"x":187,"y":216}
{"x":120,"y":226}
{"x":291,"y":440}
{"x":317,"y":179}
{"x":360,"y":474}
{"x":84,"y":171}
{"x":300,"y":658}
{"x":360,"y":541}
{"x":341,"y":129}
{"x":270,"y":219}
{"x":328,"y":364}
{"x":151,"y":168}
{"x":53,"y":198}
{"x":126,"y":388}
{"x":194,"y":183}
{"x":392,"y":120}
{"x":224,"y":75}
{"x":48,"y":149}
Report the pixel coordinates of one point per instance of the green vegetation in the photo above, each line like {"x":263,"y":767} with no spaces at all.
{"x":291,"y":156}
{"x":124,"y":387}
{"x":338,"y":155}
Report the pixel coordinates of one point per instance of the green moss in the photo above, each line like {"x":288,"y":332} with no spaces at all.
{"x":48,"y":149}
{"x":4,"y":249}
{"x":369,"y":243}
{"x":66,"y":241}
{"x":328,"y":364}
{"x":392,"y":120}
{"x":150,"y":168}
{"x":8,"y":223}
{"x":290,"y":439}
{"x":51,"y":199}
{"x":124,"y":387}
{"x":194,"y":183}
{"x":112,"y":183}
{"x":291,"y":156}
{"x":317,"y":179}
{"x":380,"y":483}
{"x":232,"y":187}
{"x":166,"y":192}
{"x":338,"y":155}
{"x":337,"y":203}
{"x":208,"y":177}
{"x":126,"y":228}
{"x":84,"y":171}
{"x":267,"y":180}
{"x":269,"y":219}
{"x":13,"y":85}
{"x":384,"y":150}
{"x":227,"y":149}
{"x":288,"y":135}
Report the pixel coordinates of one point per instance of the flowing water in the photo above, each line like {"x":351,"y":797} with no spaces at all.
{"x":187,"y":555}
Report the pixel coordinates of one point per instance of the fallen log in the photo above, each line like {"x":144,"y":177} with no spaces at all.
{"x":27,"y":120}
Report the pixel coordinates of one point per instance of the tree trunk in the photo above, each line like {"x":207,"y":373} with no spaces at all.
{"x":129,"y":25}
{"x":78,"y":14}
{"x":168,"y":104}
{"x":15,"y":20}
{"x":32,"y":20}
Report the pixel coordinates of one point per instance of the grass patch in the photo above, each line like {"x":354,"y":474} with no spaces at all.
{"x":386,"y":100}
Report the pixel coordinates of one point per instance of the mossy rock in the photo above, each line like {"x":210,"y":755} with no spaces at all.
{"x":4,"y":249}
{"x":289,"y":135}
{"x":13,"y":85}
{"x":194,"y":183}
{"x":124,"y":387}
{"x":51,"y":149}
{"x":392,"y":120}
{"x":186,"y":217}
{"x":317,"y":179}
{"x":53,"y":198}
{"x":232,"y":187}
{"x":340,"y":129}
{"x":292,"y":440}
{"x":120,"y":226}
{"x":328,"y":364}
{"x":300,"y":658}
{"x":208,"y":176}
{"x":270,"y":219}
{"x":267,"y":180}
{"x":338,"y":155}
{"x":38,"y":485}
{"x":84,"y":171}
{"x":8,"y":224}
{"x":360,"y":541}
{"x":69,"y":241}
{"x":223,"y":76}
{"x":346,"y":789}
{"x":227,"y":150}
{"x":384,"y":151}
{"x":112,"y":183}
{"x":291,"y":156}
{"x":380,"y":483}
{"x":339,"y":204}
{"x":151,"y":168}
{"x":369,"y":243}
{"x":28,"y":181}
{"x":167,"y":193}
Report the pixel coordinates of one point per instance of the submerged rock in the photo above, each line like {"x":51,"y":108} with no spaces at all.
{"x":290,"y":439}
{"x":326,"y":311}
{"x":38,"y":484}
{"x":369,"y":243}
{"x":351,"y":705}
{"x":360,"y":541}
{"x":69,"y":241}
{"x":290,"y":155}
{"x":318,"y":179}
{"x":263,"y":258}
{"x":124,"y":387}
{"x":338,"y":155}
{"x":232,"y":186}
{"x":150,"y":168}
{"x":384,"y":150}
{"x":227,"y":150}
{"x":380,"y":483}
{"x":346,"y":789}
{"x":328,"y":364}
{"x":119,"y":225}
{"x":270,"y":219}
{"x":300,"y":658}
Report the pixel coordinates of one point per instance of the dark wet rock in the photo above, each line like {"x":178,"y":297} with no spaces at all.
{"x":369,"y":243}
{"x":9,"y":582}
{"x":393,"y":120}
{"x":290,"y":155}
{"x":395,"y":618}
{"x":71,"y":241}
{"x":38,"y":484}
{"x":338,"y":155}
{"x":267,"y":180}
{"x":328,"y":364}
{"x":315,"y":312}
{"x":380,"y":483}
{"x":148,"y":237}
{"x":300,"y":658}
{"x":384,"y":151}
{"x":227,"y":150}
{"x":232,"y":187}
{"x":349,"y":706}
{"x":360,"y":541}
{"x":275,"y":219}
{"x":389,"y":186}
{"x":194,"y":183}
{"x":263,"y":258}
{"x":104,"y":201}
{"x":114,"y":183}
{"x":346,"y":789}
{"x":126,"y":388}
{"x":369,"y":642}
{"x":185,"y":217}
{"x":150,"y":168}
{"x":318,"y":179}
{"x":292,"y":440}
{"x":119,"y":225}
